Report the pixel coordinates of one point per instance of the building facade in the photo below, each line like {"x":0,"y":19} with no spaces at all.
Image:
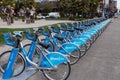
{"x":113,"y":4}
{"x":108,"y":6}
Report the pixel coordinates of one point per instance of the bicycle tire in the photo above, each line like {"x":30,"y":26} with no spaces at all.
{"x":88,"y":44}
{"x":83,"y":50}
{"x":73,"y":57}
{"x":17,"y":66}
{"x":54,"y":75}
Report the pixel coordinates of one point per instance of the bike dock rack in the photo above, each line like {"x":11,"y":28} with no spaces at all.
{"x":28,"y":73}
{"x":24,"y":76}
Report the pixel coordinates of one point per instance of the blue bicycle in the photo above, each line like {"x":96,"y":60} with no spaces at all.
{"x":4,"y":57}
{"x":54,"y":65}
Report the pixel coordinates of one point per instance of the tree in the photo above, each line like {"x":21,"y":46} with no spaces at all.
{"x":47,"y":7}
{"x":76,"y":7}
{"x":93,"y":7}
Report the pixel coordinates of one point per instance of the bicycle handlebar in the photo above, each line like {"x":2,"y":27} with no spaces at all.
{"x":18,"y":33}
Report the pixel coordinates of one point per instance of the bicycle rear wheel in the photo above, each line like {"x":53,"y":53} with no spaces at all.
{"x":19,"y":65}
{"x":61,"y":73}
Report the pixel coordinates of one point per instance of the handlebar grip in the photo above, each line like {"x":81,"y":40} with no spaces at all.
{"x":18,"y":33}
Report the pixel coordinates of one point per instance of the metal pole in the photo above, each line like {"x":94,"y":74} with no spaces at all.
{"x":82,"y":8}
{"x":104,"y":6}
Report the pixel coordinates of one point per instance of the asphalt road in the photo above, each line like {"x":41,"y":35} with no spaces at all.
{"x":102,"y":61}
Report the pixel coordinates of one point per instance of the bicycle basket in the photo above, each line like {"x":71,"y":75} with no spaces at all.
{"x":9,"y":39}
{"x":55,"y":29}
{"x":46,"y":31}
{"x":62,"y":27}
{"x":28,"y":35}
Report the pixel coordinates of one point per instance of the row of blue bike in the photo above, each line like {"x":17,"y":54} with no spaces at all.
{"x":61,"y":47}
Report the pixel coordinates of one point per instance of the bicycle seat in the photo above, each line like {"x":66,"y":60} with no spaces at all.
{"x":93,"y":23}
{"x":44,"y":45}
{"x":98,"y":21}
{"x":59,"y":38}
{"x":71,"y":30}
{"x":77,"y":28}
{"x":87,"y":24}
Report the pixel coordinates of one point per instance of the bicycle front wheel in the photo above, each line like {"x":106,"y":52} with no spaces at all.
{"x":61,"y":73}
{"x":19,"y":65}
{"x":88,"y":44}
{"x":83,"y":50}
{"x":74,"y":56}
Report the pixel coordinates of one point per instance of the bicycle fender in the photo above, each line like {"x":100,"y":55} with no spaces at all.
{"x":53,"y":60}
{"x":84,"y":37}
{"x":78,"y":42}
{"x":67,"y":48}
{"x":9,"y":68}
{"x":89,"y":34}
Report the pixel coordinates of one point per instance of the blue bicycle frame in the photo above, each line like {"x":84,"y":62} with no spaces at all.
{"x":9,"y":68}
{"x":49,"y":60}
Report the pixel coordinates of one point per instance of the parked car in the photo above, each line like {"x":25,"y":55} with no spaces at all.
{"x":53,"y":15}
{"x":39,"y":16}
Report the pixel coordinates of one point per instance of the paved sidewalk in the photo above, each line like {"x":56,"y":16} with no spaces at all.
{"x":38,"y":23}
{"x":102,"y":61}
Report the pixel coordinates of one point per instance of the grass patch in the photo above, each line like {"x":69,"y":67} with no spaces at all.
{"x":5,"y":30}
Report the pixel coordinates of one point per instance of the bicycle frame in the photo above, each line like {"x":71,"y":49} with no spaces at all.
{"x":8,"y":71}
{"x":47,"y":58}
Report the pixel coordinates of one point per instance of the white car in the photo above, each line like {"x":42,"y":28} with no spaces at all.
{"x":39,"y":16}
{"x":54,"y":14}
